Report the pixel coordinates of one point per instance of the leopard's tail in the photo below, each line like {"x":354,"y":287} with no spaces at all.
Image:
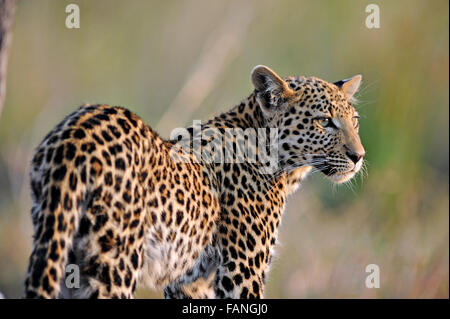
{"x":58,"y":200}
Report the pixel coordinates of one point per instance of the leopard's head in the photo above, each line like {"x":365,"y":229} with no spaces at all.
{"x":317,"y":123}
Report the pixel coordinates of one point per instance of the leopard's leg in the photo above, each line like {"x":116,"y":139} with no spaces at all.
{"x":202,"y":288}
{"x":55,"y":216}
{"x":245,"y":258}
{"x":197,"y":283}
{"x":243,"y":282}
{"x":227,"y":281}
{"x":109,"y":247}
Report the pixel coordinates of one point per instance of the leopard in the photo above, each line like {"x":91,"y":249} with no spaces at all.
{"x":128,"y":207}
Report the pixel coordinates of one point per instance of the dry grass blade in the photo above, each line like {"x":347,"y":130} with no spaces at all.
{"x":7,"y":8}
{"x":221,"y":47}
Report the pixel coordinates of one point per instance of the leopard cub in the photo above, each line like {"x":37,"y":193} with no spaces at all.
{"x":127,"y":206}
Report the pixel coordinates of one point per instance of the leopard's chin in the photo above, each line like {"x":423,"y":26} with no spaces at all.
{"x":339,"y":178}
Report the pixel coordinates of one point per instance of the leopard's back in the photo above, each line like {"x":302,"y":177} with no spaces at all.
{"x":108,"y":198}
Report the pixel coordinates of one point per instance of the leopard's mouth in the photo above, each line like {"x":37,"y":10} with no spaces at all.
{"x":336,"y":176}
{"x":342,"y":177}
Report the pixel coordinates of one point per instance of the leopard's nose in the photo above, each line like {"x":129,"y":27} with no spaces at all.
{"x":355,"y":156}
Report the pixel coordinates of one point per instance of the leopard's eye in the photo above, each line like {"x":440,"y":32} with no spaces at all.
{"x":324,"y":122}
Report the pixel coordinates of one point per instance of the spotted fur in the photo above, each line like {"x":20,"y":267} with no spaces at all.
{"x":109,"y":195}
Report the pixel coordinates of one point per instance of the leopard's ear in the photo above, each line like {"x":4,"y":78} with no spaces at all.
{"x":349,"y":86}
{"x":271,"y":89}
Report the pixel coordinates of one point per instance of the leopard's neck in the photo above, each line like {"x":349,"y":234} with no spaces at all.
{"x":246,"y":114}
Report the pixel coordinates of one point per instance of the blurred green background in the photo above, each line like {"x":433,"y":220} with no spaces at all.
{"x":174,"y":61}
